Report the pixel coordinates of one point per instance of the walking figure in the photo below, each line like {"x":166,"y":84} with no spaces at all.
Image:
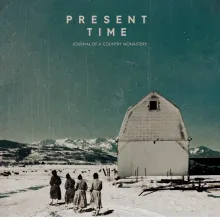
{"x":96,"y":201}
{"x":80,"y":200}
{"x":55,"y":192}
{"x":70,"y":190}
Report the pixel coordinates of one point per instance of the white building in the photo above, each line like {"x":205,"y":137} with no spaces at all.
{"x":153,"y":139}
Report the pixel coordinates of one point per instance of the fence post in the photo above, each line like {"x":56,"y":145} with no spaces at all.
{"x":104,"y":171}
{"x":137,"y":175}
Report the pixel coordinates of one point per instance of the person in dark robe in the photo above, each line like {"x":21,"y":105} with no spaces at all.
{"x":55,"y":192}
{"x":80,"y":200}
{"x":70,"y":190}
{"x":95,"y":200}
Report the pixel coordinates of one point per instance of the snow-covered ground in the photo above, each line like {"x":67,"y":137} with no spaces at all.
{"x":27,"y":194}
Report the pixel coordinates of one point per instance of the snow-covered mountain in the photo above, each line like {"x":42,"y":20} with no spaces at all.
{"x":91,"y":151}
{"x":203,"y":152}
{"x":87,"y":151}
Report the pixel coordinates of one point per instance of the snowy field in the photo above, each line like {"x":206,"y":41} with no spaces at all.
{"x":27,"y":194}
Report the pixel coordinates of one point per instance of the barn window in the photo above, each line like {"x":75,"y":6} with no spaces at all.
{"x":153,"y":105}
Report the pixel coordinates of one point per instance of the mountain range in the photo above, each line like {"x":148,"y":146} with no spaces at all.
{"x":88,"y":151}
{"x":91,"y":151}
{"x":203,"y":152}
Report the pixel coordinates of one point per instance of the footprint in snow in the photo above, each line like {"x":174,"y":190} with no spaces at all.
{"x":54,"y":214}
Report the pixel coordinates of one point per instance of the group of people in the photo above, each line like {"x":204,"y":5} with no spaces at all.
{"x":76,"y":192}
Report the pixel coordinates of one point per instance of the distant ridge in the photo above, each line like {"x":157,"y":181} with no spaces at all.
{"x":80,"y":151}
{"x":91,"y":151}
{"x":203,"y":152}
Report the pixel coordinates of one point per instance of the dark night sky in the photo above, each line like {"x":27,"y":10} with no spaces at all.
{"x":50,"y":89}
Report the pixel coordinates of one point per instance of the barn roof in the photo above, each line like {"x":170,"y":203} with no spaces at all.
{"x":141,"y":124}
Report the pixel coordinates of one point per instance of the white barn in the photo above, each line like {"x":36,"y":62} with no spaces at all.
{"x":153,"y":139}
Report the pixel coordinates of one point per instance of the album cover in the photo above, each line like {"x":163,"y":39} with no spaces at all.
{"x":109,"y":108}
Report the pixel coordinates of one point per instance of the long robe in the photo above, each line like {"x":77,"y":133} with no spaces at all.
{"x":55,"y":192}
{"x":95,"y":200}
{"x":80,"y":200}
{"x":70,"y":190}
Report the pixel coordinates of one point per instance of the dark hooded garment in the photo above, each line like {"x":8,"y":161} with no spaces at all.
{"x":55,"y":182}
{"x":70,"y":190}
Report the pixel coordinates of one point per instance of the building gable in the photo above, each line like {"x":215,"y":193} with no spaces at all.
{"x":153,"y":118}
